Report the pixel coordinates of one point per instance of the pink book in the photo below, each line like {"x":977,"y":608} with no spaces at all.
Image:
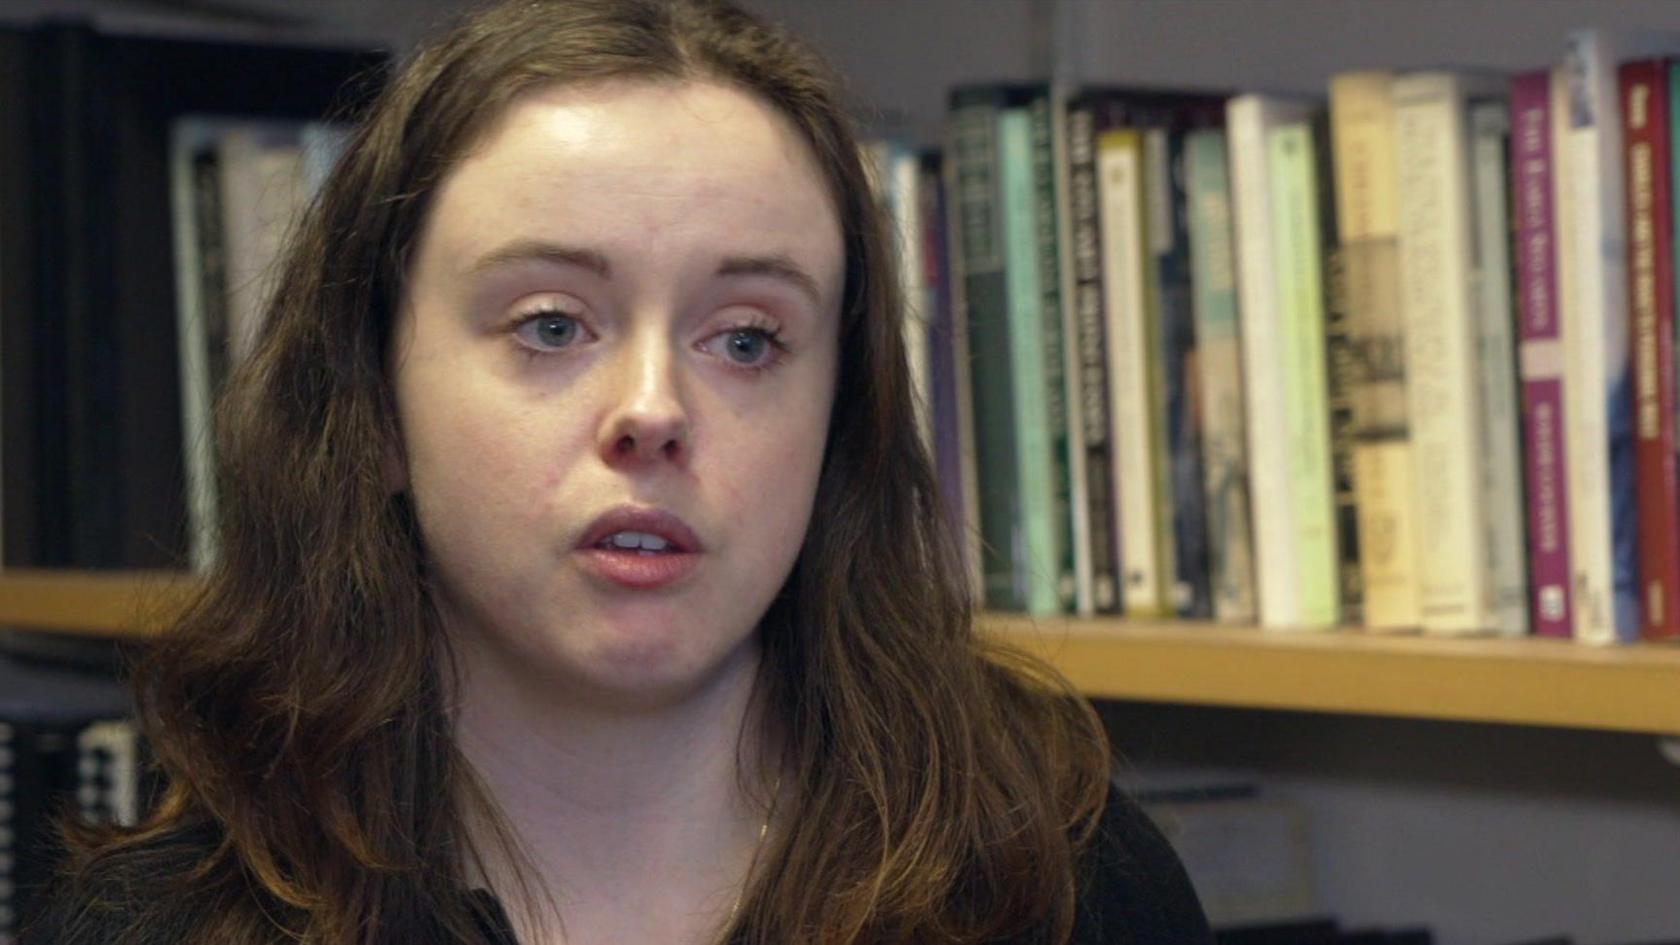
{"x":1540,"y":354}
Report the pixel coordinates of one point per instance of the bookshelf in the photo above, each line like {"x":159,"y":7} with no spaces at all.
{"x":1331,"y":699}
{"x":1522,"y":682}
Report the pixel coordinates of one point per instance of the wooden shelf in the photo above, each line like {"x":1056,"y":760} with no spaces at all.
{"x":1634,"y":688}
{"x":1526,"y":682}
{"x":91,"y":603}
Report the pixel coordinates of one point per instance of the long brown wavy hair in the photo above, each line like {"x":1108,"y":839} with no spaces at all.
{"x":942,"y":787}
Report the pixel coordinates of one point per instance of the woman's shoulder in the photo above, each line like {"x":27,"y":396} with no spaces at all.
{"x":128,"y":891}
{"x":1133,"y":888}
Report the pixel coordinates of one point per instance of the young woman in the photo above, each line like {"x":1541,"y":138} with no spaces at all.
{"x":583,"y":578}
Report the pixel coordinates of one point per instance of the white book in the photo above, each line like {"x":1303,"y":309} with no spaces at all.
{"x":1121,"y":215}
{"x":1249,"y":121}
{"x":1603,"y":520}
{"x":263,"y":192}
{"x":199,"y":322}
{"x":1432,"y":158}
{"x":1501,"y":447}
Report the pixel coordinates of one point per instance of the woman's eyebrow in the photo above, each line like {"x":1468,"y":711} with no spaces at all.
{"x":534,"y":250}
{"x":776,"y":267}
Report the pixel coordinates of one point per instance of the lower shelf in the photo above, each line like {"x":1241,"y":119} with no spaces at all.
{"x":1526,"y":682}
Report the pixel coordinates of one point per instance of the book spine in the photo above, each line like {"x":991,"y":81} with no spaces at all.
{"x":1502,"y":485}
{"x":1179,"y":449}
{"x":1643,"y":87}
{"x":1033,"y":440}
{"x":1367,"y":219}
{"x":1268,"y":446}
{"x":1219,"y":356}
{"x":1540,"y":354}
{"x":1603,"y":544}
{"x":1079,"y":476}
{"x":1120,"y":166}
{"x":980,"y":249}
{"x":1432,"y":151}
{"x":1300,"y":295}
{"x":1090,"y":328}
{"x":1339,"y":374}
{"x":1045,"y":223}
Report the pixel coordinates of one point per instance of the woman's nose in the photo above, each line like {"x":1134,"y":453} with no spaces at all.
{"x":648,"y":420}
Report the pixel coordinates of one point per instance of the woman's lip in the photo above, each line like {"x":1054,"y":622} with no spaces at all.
{"x":634,"y":569}
{"x":648,"y":521}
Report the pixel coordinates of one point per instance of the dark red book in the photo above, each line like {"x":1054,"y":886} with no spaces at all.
{"x":1650,"y":240}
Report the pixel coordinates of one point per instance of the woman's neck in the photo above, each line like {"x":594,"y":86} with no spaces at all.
{"x":637,"y":822}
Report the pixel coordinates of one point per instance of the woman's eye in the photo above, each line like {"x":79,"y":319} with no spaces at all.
{"x":750,"y":348}
{"x":549,"y":330}
{"x":748,"y":345}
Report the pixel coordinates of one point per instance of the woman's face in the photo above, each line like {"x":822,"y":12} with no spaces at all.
{"x":613,"y":371}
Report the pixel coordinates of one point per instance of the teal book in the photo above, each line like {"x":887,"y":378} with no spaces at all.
{"x":1027,"y":355}
{"x":978,"y":254}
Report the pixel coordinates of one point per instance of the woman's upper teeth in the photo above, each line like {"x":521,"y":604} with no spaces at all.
{"x":637,"y":540}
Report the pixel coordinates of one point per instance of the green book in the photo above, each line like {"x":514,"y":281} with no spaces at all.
{"x":1024,"y":294}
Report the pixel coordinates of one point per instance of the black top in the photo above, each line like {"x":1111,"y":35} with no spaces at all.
{"x":1134,"y":891}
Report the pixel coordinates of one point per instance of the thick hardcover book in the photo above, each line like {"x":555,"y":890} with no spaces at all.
{"x":1599,"y":410}
{"x":978,"y":198}
{"x":1298,"y":248}
{"x":1645,"y":116}
{"x":1540,"y":353}
{"x":1362,"y":135}
{"x":1219,"y":360}
{"x":1501,"y":468}
{"x":1432,"y":144}
{"x":1179,"y":460}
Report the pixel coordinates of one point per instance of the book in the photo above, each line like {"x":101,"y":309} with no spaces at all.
{"x":1088,"y":362}
{"x":1646,"y":124}
{"x":1432,"y":159}
{"x":1501,"y":447}
{"x":1367,"y":220}
{"x":1029,"y":358}
{"x":1339,"y":377}
{"x":1219,"y":363}
{"x":1068,"y":552}
{"x":978,"y":253}
{"x":1134,"y":402}
{"x":1540,"y":349}
{"x":1178,"y":447}
{"x":1598,"y":395}
{"x":1298,"y":252}
{"x":1251,"y":119}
